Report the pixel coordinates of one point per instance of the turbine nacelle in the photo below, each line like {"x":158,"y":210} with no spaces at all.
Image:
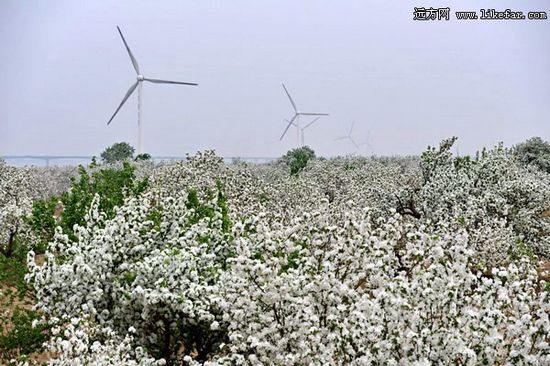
{"x":140,"y":77}
{"x":296,"y":117}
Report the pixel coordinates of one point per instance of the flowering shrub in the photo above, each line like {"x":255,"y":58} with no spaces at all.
{"x":356,"y":261}
{"x":361,"y":294}
{"x":534,"y":151}
{"x":154,"y":267}
{"x":491,"y":191}
{"x":17,"y":190}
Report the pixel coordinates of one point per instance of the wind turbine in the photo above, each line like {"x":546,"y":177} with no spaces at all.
{"x":367,"y":144}
{"x":295,"y":120}
{"x":139,"y":85}
{"x":303,"y":128}
{"x":350,"y":138}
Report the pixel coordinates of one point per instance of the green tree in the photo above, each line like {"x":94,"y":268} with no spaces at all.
{"x":119,"y":151}
{"x":42,"y":221}
{"x":143,"y":156}
{"x":112,"y":185}
{"x":297,"y":159}
{"x":534,"y":151}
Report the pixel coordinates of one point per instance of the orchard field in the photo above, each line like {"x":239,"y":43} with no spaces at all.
{"x":429,"y":260}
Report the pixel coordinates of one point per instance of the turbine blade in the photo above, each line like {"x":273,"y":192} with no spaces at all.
{"x":340,"y":138}
{"x":351,"y":129}
{"x":288,"y":126}
{"x":134,"y":61}
{"x":310,"y":123}
{"x":290,"y":98}
{"x":354,"y":144}
{"x":157,"y":81}
{"x":287,"y":121}
{"x":313,"y":114}
{"x":128,"y":93}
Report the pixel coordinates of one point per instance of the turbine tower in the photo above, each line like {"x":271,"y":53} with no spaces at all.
{"x":367,"y":144}
{"x":295,"y":120}
{"x":139,"y":85}
{"x":301,"y":129}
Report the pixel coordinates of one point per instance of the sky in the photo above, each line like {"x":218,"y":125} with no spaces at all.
{"x":405,"y":84}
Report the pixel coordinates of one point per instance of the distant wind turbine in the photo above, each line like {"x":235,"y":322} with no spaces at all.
{"x":295,"y":120}
{"x":367,"y":144}
{"x":350,"y":138}
{"x":139,"y":84}
{"x":303,"y":128}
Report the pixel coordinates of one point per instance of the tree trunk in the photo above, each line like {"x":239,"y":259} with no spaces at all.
{"x":167,"y":340}
{"x":11,"y":243}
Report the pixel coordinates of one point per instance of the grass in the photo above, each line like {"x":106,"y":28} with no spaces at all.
{"x":19,"y":340}
{"x":12,"y":275}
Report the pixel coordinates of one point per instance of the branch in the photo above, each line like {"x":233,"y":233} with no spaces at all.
{"x":407,"y":209}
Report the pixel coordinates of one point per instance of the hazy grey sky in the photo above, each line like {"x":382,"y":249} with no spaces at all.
{"x":63,"y":71}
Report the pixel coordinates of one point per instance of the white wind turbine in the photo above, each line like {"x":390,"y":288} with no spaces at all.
{"x":350,"y":138}
{"x":367,"y":144}
{"x":303,"y":128}
{"x":139,"y":84}
{"x":295,"y":120}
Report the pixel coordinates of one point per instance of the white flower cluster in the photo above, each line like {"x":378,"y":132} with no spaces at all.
{"x":81,"y":343}
{"x":18,"y":188}
{"x":236,"y":264}
{"x":319,"y":293}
